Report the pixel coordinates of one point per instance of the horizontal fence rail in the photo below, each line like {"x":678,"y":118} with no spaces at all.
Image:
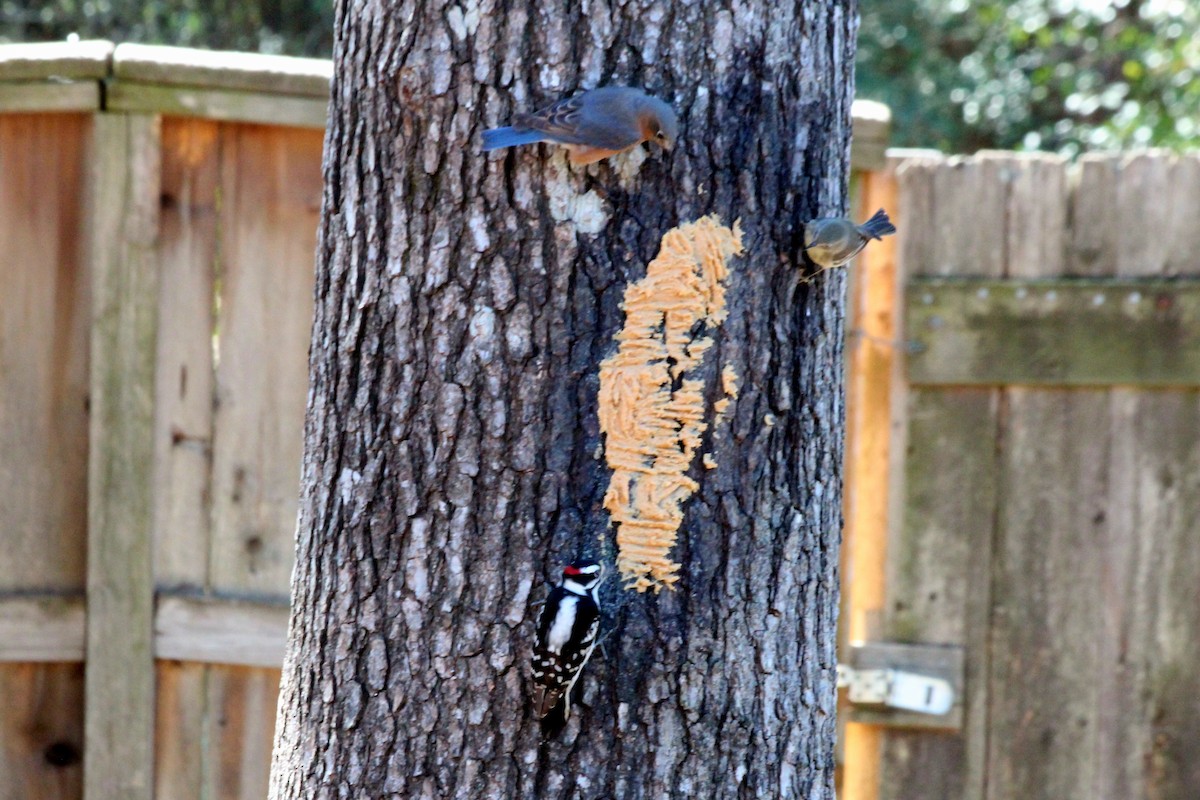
{"x":1054,"y":332}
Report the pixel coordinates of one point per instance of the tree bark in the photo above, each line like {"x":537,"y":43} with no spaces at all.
{"x":464,"y":303}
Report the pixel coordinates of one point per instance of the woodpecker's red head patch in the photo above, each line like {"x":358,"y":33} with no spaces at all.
{"x":585,"y":571}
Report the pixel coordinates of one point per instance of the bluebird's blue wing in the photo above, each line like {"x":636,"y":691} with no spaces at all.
{"x":557,"y":123}
{"x":509,"y":137}
{"x":605,"y":118}
{"x":601,"y":118}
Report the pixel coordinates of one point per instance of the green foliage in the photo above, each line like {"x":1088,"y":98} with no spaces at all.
{"x":959,"y":75}
{"x":1065,"y":75}
{"x":292,"y":27}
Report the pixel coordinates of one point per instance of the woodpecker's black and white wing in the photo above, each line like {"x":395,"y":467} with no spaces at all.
{"x":565,"y":638}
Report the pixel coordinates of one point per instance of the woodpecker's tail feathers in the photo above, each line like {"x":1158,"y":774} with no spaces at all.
{"x":497,"y":138}
{"x":544,"y":700}
{"x":878,"y":226}
{"x":555,"y":720}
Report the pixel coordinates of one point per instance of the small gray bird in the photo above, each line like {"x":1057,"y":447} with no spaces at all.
{"x":593,"y":125}
{"x":834,"y":241}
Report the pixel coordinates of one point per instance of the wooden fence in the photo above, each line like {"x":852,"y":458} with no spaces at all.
{"x":158,"y":210}
{"x":157,"y":242}
{"x":1027,"y":384}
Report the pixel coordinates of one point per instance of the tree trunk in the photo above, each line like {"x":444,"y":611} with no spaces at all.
{"x":453,"y":454}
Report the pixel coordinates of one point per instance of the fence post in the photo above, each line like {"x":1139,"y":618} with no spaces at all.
{"x":870,"y":378}
{"x":123,"y":225}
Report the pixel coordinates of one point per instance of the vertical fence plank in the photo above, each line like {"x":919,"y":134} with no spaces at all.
{"x":183,"y":433}
{"x":270,"y":188}
{"x":1045,"y":680}
{"x":44,"y":309}
{"x":1042,"y":711}
{"x":1155,"y":513}
{"x":1142,"y":242}
{"x":216,"y":726}
{"x":1093,"y":226}
{"x":1123,"y":729}
{"x":1093,"y":251}
{"x":871,"y":377}
{"x":184,"y":375}
{"x":245,"y":699}
{"x":1156,"y":722}
{"x":254,"y":191}
{"x":44,"y":306}
{"x":872,"y":360}
{"x":270,"y":184}
{"x":939,"y":556}
{"x":119,"y":707}
{"x":1036,"y":236}
{"x":180,"y":731}
{"x":1182,"y":202}
{"x":41,"y":732}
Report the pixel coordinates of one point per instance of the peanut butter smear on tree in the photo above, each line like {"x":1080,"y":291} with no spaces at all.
{"x":651,"y":403}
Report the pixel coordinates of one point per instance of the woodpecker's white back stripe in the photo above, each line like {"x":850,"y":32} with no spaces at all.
{"x":564,"y":622}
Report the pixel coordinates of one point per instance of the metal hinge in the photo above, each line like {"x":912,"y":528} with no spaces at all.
{"x":904,"y":685}
{"x":895,"y":688}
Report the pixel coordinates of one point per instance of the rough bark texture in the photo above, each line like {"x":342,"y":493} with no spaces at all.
{"x":463,"y":304}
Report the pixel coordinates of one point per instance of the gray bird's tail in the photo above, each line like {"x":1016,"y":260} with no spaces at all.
{"x":508,"y":137}
{"x":878,"y":226}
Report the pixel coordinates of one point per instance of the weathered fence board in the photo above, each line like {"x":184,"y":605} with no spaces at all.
{"x":220,"y":631}
{"x":870,"y":381}
{"x":271,"y":188}
{"x":1051,"y":530}
{"x":236,"y":246}
{"x":245,"y":701}
{"x":58,"y":61}
{"x":271,"y":90}
{"x":181,"y":231}
{"x":44,"y":310}
{"x":245,"y":72}
{"x":42,"y":627}
{"x":187,"y":254}
{"x":1082,"y":566}
{"x":53,"y":77}
{"x":119,"y":708}
{"x":41,"y":731}
{"x":1151,"y":726}
{"x":1043,"y":676}
{"x":182,"y":737}
{"x":44,"y":313}
{"x":39,"y":96}
{"x":1035,"y":535}
{"x":940,"y":554}
{"x":215,"y":728}
{"x":1054,"y":332}
{"x":220,"y":104}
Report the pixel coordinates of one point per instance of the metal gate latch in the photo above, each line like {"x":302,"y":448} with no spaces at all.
{"x":894,"y":688}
